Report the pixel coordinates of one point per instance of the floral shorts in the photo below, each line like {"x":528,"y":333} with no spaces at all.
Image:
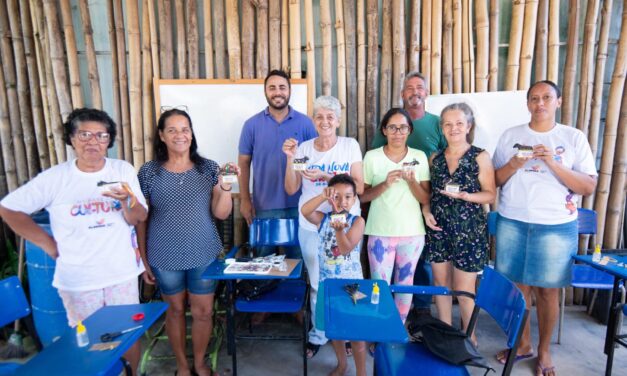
{"x":81,"y":304}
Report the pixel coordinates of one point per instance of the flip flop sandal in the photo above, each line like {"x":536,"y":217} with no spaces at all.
{"x":502,"y":355}
{"x":544,"y":371}
{"x":312,"y":350}
{"x":349,"y":349}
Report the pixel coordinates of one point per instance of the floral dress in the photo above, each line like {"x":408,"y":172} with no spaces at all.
{"x":332,"y":264}
{"x":464,"y":237}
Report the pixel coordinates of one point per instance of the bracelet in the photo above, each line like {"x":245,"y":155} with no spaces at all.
{"x":131,"y":200}
{"x":226,"y":190}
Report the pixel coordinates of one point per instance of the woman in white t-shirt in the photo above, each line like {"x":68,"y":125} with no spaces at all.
{"x":541,"y":168}
{"x":320,"y":159}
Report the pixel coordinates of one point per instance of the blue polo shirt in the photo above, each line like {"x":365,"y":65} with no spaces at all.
{"x":262,"y":138}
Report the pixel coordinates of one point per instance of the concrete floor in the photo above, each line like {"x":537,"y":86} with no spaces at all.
{"x":581,"y":351}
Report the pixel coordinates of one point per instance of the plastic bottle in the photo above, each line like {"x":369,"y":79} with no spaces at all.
{"x":374,"y":297}
{"x":596,"y":256}
{"x":82,"y":339}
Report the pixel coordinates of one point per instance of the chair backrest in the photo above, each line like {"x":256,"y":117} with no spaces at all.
{"x":14,"y":303}
{"x":586,"y":221}
{"x":273,"y":232}
{"x":504,"y":302}
{"x":492,"y":223}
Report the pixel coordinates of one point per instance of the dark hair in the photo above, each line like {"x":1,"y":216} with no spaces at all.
{"x":552,"y":84}
{"x":280,"y":73}
{"x":467,"y":111}
{"x":391,"y":112}
{"x":161,"y":149}
{"x":343,"y":179}
{"x":88,"y":114}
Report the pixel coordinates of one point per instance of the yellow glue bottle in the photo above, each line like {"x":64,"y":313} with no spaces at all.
{"x":596,"y":256}
{"x":82,"y":339}
{"x":374,"y":297}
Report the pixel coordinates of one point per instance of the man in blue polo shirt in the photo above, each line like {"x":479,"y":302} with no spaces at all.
{"x":260,"y":143}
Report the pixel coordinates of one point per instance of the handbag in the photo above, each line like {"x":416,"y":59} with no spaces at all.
{"x":251,"y":289}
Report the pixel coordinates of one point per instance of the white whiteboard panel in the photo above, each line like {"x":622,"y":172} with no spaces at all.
{"x":494,"y":112}
{"x":219,"y":108}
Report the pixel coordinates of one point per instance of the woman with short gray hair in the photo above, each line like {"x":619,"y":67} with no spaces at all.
{"x":311,"y":165}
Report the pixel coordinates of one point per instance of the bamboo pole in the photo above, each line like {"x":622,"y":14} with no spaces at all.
{"x":413,"y":54}
{"x":599,"y":79}
{"x":219,"y":33}
{"x":483,"y":44}
{"x":361,"y":76}
{"x":208,"y":38}
{"x":341,"y":62}
{"x":553,"y":49}
{"x":515,"y":42}
{"x":385,"y":86}
{"x":123,"y":77}
{"x":586,"y":75}
{"x":115,"y":82}
{"x":181,"y":40}
{"x":466,"y":47}
{"x":4,"y":189}
{"x":191,"y":26}
{"x":90,"y":53}
{"x":154,"y":40}
{"x":295,"y":63}
{"x":526,"y":54}
{"x":262,"y":38}
{"x":274,"y":33}
{"x":135,"y":81}
{"x":35,"y":94}
{"x":457,"y":46}
{"x":248,"y":39}
{"x":285,"y":55}
{"x":618,"y":191}
{"x":570,"y":67}
{"x":436,"y":47}
{"x":425,"y":55}
{"x":447,"y":48}
{"x":147,"y":94}
{"x":399,"y":58}
{"x":615,"y":97}
{"x":8,"y":152}
{"x":23,"y":95}
{"x":166,"y":57}
{"x":72,"y":54}
{"x":494,"y":46}
{"x":372,"y":70}
{"x":541,"y":40}
{"x":351,"y":67}
{"x":326,"y":82}
{"x":310,"y":48}
{"x":471,"y":44}
{"x":232,"y":38}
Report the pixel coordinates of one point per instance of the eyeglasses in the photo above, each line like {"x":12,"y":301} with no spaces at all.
{"x":403,"y":129}
{"x":86,"y":136}
{"x":181,"y":107}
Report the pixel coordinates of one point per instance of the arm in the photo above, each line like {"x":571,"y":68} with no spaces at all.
{"x":246,"y":205}
{"x":486,"y":180}
{"x":141,"y":228}
{"x":221,"y":200}
{"x":371,"y":193}
{"x":292,"y":177}
{"x":578,"y":182}
{"x":346,"y":242}
{"x":357,"y":173}
{"x":24,"y":226}
{"x":420,"y":189}
{"x":309,"y":209}
{"x":503,"y":174}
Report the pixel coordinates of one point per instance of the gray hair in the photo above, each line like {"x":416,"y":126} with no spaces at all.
{"x":327,"y":102}
{"x":467,"y":111}
{"x":415,"y":74}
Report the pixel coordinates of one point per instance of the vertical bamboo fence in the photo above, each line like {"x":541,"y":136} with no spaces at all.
{"x":364,"y":49}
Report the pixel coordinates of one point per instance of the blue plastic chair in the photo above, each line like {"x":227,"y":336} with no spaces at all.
{"x":614,"y":330}
{"x":14,"y":307}
{"x":499,"y":297}
{"x":291,"y":295}
{"x":585,"y":276}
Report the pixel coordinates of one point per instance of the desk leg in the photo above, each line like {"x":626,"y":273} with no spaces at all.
{"x":611,"y":328}
{"x":230,"y":324}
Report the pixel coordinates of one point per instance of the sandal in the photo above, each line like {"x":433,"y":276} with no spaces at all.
{"x":544,"y":371}
{"x":349,"y":348}
{"x":502,"y":355}
{"x":371,"y":348}
{"x":312,"y":350}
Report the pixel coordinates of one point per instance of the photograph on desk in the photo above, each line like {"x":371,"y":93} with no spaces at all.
{"x":248,"y":268}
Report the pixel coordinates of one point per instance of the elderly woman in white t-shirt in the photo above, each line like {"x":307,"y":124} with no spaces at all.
{"x":320,"y":159}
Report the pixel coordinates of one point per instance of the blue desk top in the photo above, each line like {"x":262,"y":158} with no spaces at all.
{"x":363,"y":321}
{"x":64,"y":357}
{"x":610,"y":268}
{"x":215,"y":270}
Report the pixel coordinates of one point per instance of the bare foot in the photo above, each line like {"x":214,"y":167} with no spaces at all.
{"x":340,"y":370}
{"x":183,"y":372}
{"x":203,"y":370}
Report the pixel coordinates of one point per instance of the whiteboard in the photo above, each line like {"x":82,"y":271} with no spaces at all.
{"x":494,"y":112}
{"x":219,"y":108}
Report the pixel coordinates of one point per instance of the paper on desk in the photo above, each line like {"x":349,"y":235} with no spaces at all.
{"x":104,"y":346}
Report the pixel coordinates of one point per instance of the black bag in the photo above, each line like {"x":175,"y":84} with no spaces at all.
{"x":251,"y":289}
{"x":447,"y":342}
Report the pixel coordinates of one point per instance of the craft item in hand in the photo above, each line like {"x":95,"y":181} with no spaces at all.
{"x":410,"y":166}
{"x":338,"y":217}
{"x":105,"y":346}
{"x":229,"y":176}
{"x":352,"y":289}
{"x":524,"y":151}
{"x":452,"y":187}
{"x":105,"y":187}
{"x":300,"y":164}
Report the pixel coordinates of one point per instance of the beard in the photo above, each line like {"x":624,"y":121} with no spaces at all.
{"x":278,"y":106}
{"x":413,"y":101}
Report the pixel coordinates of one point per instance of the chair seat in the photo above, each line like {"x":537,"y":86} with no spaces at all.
{"x":288,"y":297}
{"x":9,"y":368}
{"x":586,"y":276}
{"x":392,"y":359}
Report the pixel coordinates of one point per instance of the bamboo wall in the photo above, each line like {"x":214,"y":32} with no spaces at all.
{"x":58,"y":55}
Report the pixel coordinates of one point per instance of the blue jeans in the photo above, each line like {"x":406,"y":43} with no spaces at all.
{"x":422,"y":277}
{"x":290,"y":252}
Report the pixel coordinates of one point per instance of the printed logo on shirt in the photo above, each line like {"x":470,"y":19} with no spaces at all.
{"x":558,"y":155}
{"x":95,"y":207}
{"x":535,"y":168}
{"x":332,"y":168}
{"x":570,"y":205}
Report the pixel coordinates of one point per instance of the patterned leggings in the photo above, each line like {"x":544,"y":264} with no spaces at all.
{"x":399,"y":254}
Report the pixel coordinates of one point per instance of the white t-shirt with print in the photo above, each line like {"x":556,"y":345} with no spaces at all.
{"x":337,"y":160}
{"x":93,"y":238}
{"x":534,"y":194}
